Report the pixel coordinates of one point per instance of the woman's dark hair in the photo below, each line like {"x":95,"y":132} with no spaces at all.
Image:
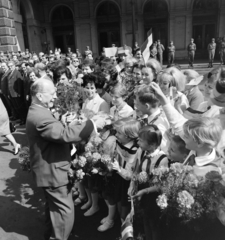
{"x":100,"y":81}
{"x":138,"y":65}
{"x":89,"y":78}
{"x":60,"y":71}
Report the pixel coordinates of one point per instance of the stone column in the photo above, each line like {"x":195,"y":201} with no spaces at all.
{"x":8,"y":40}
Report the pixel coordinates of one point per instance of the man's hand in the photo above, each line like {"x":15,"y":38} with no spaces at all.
{"x":159,"y":94}
{"x":63,"y":118}
{"x":139,"y":194}
{"x":116,"y":166}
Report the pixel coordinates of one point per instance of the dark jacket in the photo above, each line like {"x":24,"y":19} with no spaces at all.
{"x":49,"y":145}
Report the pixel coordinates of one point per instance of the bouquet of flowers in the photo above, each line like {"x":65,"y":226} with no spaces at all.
{"x":68,"y":98}
{"x":24,"y":159}
{"x":186,"y":196}
{"x":92,"y":161}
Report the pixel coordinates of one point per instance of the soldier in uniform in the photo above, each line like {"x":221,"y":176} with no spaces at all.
{"x":160,"y":49}
{"x":211,"y":50}
{"x":191,"y":48}
{"x":222,"y":51}
{"x":153,"y":51}
{"x":79,"y":56}
{"x":171,"y":53}
{"x":136,"y":47}
{"x":87,"y":52}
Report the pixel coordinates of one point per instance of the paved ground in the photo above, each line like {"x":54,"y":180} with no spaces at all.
{"x":22,"y":204}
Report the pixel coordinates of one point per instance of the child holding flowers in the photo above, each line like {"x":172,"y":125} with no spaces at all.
{"x":149,"y":158}
{"x":127,"y":134}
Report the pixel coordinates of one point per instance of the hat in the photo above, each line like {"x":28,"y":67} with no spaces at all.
{"x":218,"y":95}
{"x":195,"y":81}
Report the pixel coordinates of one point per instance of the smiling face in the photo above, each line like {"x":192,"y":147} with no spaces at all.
{"x":137,"y":75}
{"x":147,"y":75}
{"x":91,"y":90}
{"x":32,"y":77}
{"x":86,"y":70}
{"x":164,"y":84}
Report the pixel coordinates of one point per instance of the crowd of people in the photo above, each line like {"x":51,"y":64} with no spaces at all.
{"x":159,"y":116}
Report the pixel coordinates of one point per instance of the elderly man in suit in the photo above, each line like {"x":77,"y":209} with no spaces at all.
{"x":15,"y":92}
{"x":49,"y":142}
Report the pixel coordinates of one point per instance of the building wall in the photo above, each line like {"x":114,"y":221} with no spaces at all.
{"x":38,"y":15}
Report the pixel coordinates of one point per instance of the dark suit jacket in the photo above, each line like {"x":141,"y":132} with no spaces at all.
{"x":15,"y":84}
{"x":49,"y":145}
{"x":4,"y":83}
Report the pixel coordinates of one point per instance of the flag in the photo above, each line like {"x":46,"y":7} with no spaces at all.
{"x":127,"y":226}
{"x":145,"y":48}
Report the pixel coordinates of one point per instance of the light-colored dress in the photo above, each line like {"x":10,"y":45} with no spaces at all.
{"x":4,"y":120}
{"x":95,"y":105}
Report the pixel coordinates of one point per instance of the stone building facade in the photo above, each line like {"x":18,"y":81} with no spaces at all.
{"x":41,"y":25}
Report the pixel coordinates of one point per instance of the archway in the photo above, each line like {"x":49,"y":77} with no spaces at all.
{"x":63,"y":28}
{"x":108,"y":20}
{"x":155,"y":13}
{"x":205,"y":18}
{"x":24,"y":26}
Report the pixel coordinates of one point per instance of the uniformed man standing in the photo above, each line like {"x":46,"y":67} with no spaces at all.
{"x":160,"y":49}
{"x":222,"y":51}
{"x":171,"y":54}
{"x":87,"y":51}
{"x":211,"y":50}
{"x":153,"y":51}
{"x":191,"y":48}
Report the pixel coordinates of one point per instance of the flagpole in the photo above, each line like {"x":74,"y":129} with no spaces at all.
{"x":132,"y":2}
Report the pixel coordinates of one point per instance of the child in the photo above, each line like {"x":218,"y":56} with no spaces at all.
{"x":120,"y":109}
{"x":127,"y":134}
{"x":177,"y":151}
{"x":88,"y":67}
{"x":147,"y":103}
{"x":172,"y":83}
{"x":201,"y":136}
{"x":149,"y":157}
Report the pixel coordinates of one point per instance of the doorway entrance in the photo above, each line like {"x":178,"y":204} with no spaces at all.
{"x":63,"y":28}
{"x":108,"y":19}
{"x":156,"y":18}
{"x":205,"y":16}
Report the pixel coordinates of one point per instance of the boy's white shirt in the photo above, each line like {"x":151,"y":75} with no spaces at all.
{"x":127,"y":172}
{"x":163,"y":125}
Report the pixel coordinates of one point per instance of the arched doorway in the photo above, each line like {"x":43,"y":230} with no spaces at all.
{"x":205,"y":16}
{"x":24,"y":27}
{"x":63,"y":28}
{"x":155,"y":15}
{"x":108,"y":19}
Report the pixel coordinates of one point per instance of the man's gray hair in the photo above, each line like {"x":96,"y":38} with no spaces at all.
{"x":38,"y":86}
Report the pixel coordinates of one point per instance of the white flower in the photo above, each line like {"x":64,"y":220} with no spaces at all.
{"x":82,"y":161}
{"x":80,"y":174}
{"x":89,"y":147}
{"x":162,"y":201}
{"x":142,"y":177}
{"x":106,"y":158}
{"x":97,"y":141}
{"x":185,"y":199}
{"x":88,"y":155}
{"x":94,"y":171}
{"x":96,"y":156}
{"x":71,"y":173}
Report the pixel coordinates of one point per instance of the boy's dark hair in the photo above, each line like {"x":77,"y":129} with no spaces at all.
{"x":89,"y":63}
{"x":151,"y":134}
{"x":138,"y":65}
{"x":146,"y":95}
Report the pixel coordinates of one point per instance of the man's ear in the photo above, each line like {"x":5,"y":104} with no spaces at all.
{"x":39,"y":97}
{"x":147,"y":105}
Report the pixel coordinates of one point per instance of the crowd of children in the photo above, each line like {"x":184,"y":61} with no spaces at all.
{"x":159,"y":117}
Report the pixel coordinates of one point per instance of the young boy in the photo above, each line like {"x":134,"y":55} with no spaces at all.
{"x":147,"y":103}
{"x":201,"y":136}
{"x":88,"y":67}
